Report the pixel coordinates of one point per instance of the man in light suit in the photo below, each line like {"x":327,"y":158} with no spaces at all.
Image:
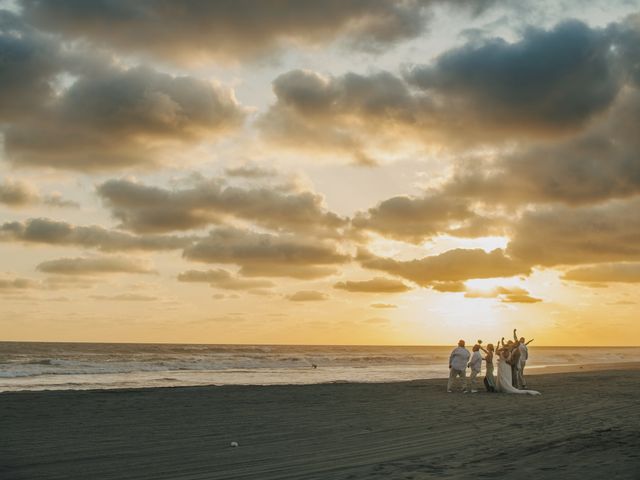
{"x":524,"y":356}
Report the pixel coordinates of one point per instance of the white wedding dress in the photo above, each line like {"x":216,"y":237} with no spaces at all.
{"x":503,"y":380}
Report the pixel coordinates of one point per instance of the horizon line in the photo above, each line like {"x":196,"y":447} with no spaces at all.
{"x":80,"y":342}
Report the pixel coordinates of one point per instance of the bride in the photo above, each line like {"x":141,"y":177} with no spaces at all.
{"x":503,"y":380}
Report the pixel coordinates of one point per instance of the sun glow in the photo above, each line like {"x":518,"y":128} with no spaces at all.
{"x":487,"y":285}
{"x":443,"y":243}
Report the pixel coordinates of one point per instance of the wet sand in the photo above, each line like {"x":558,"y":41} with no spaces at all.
{"x":586,"y":425}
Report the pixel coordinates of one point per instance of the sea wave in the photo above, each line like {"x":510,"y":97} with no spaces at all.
{"x":101,"y":364}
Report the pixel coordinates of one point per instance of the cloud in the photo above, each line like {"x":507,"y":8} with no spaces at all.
{"x":383,"y":305}
{"x":562,"y":235}
{"x":220,"y":278}
{"x":301,"y":272}
{"x":547,"y":82}
{"x":515,"y":298}
{"x":250,"y":171}
{"x":142,"y":208}
{"x":626,"y":35}
{"x":17,"y":284}
{"x":221,"y":296}
{"x":622,"y":302}
{"x":451,"y":287}
{"x":413,"y":219}
{"x":58,"y":282}
{"x":55,"y":199}
{"x":452,"y":266}
{"x":62,"y":105}
{"x":594,"y":166}
{"x":263,"y":254}
{"x":338,"y":114}
{"x":375,"y":285}
{"x":126,"y":297}
{"x":197,"y":31}
{"x":495,"y":292}
{"x":146,"y":110}
{"x":18,"y":193}
{"x":28,"y":62}
{"x":505,"y":294}
{"x":547,"y":85}
{"x":605,"y":273}
{"x":52,"y":232}
{"x":94,"y":266}
{"x":11,"y":284}
{"x":307,"y":296}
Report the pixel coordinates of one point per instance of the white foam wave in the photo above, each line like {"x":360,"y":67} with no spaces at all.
{"x":38,"y":365}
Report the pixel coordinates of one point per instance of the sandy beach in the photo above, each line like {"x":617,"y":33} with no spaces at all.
{"x":586,"y":425}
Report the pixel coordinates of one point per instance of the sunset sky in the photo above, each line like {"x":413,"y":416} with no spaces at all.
{"x":320,"y":172}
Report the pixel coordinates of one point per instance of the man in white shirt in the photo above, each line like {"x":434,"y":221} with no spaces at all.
{"x":476,"y":365}
{"x":524,"y":356}
{"x":458,"y":365}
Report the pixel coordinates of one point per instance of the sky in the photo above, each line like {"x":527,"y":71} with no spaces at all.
{"x":338,"y":172}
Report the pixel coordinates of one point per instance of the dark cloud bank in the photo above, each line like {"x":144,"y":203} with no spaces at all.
{"x":74,"y":127}
{"x":233,"y":30}
{"x":145,"y":209}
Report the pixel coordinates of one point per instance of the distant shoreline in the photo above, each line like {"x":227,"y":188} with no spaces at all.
{"x":363,"y":345}
{"x":542,"y":370}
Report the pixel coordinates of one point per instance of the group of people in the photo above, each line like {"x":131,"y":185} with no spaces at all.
{"x":512,"y":357}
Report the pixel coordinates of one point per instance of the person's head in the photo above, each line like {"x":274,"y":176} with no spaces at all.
{"x":522,"y":340}
{"x":476,"y":348}
{"x":510,"y":342}
{"x":461,"y":343}
{"x":490,"y":347}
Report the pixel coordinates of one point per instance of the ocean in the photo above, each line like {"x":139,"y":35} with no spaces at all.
{"x":81,"y":366}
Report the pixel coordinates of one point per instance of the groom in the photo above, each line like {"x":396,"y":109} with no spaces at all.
{"x":524,"y":356}
{"x":458,"y":365}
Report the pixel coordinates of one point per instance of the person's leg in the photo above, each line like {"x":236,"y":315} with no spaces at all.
{"x":521,"y":379}
{"x":491,"y":378}
{"x":473,"y":378}
{"x":463,"y":376}
{"x":514,"y":376}
{"x":452,"y":376}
